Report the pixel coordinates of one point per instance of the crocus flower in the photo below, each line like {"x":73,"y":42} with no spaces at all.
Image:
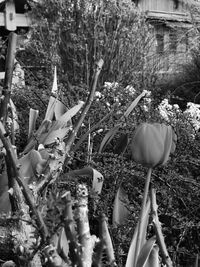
{"x":152,"y":144}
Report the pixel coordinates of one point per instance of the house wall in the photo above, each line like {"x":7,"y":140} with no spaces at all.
{"x":163,"y":5}
{"x":171,"y":30}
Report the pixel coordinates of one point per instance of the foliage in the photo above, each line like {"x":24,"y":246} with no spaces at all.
{"x":73,"y":35}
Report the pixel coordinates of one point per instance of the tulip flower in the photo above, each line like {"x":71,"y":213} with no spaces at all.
{"x":152,"y":144}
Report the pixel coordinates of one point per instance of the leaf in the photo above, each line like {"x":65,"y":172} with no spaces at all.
{"x":71,"y":112}
{"x":153,"y":260}
{"x":58,"y":130}
{"x":145,"y":252}
{"x":50,"y":109}
{"x":32,"y":165}
{"x":131,"y":253}
{"x":33,"y":114}
{"x":59,"y":109}
{"x":105,"y":237}
{"x":63,"y":244}
{"x":5,"y":205}
{"x":111,"y":133}
{"x":97,"y":182}
{"x":54,"y":89}
{"x":196,"y":260}
{"x":134,"y":104}
{"x":96,"y":176}
{"x":14,"y":115}
{"x":108,"y":137}
{"x":122,"y":143}
{"x":120,"y":211}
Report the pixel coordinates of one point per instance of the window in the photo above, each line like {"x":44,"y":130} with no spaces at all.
{"x":173,"y":41}
{"x":160,"y":43}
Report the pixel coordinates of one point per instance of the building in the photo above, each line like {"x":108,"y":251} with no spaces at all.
{"x":173,"y":30}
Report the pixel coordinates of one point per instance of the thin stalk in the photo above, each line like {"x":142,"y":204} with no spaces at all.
{"x":157,"y":226}
{"x":83,"y":137}
{"x":142,"y":212}
{"x":88,"y":103}
{"x":8,"y":76}
{"x":27,"y":194}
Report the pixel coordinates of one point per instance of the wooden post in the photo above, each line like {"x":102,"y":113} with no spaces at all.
{"x":8,"y":76}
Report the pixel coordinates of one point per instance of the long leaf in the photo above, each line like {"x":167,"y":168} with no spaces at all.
{"x":145,"y":252}
{"x":153,"y":259}
{"x":120,"y":211}
{"x":108,"y":137}
{"x":57,"y":130}
{"x":111,"y":133}
{"x":32,"y":165}
{"x":33,"y":114}
{"x":54,"y":89}
{"x":131,"y":253}
{"x":5,"y":205}
{"x":71,"y":112}
{"x":59,"y":109}
{"x":50,"y":109}
{"x":106,"y":239}
{"x":63,"y":244}
{"x":122,"y":143}
{"x":134,"y":104}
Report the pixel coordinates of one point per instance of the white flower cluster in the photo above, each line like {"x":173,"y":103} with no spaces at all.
{"x":170,"y":114}
{"x":167,"y":111}
{"x":193,"y":113}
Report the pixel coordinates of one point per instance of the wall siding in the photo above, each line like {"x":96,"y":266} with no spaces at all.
{"x":162,"y":5}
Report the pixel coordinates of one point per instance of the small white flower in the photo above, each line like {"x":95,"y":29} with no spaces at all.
{"x":98,"y":94}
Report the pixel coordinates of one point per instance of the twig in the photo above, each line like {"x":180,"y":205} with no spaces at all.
{"x":74,"y":248}
{"x":88,"y":103}
{"x":8,"y":76}
{"x":83,"y":137}
{"x":157,"y":226}
{"x":27,"y":194}
{"x":86,"y":240}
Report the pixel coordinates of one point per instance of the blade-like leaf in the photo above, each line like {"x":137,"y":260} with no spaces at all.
{"x":50,"y":109}
{"x":97,"y":182}
{"x":71,"y":112}
{"x":32,"y":165}
{"x":145,"y":252}
{"x":153,"y":260}
{"x":134,"y":104}
{"x":59,"y":109}
{"x":63,"y":244}
{"x":108,"y":137}
{"x":131,"y":253}
{"x":97,"y":177}
{"x":5,"y":205}
{"x":57,"y":130}
{"x":120,"y":211}
{"x":197,"y":260}
{"x":55,"y":84}
{"x":33,"y":114}
{"x":14,"y":115}
{"x":105,"y":237}
{"x":122,"y":143}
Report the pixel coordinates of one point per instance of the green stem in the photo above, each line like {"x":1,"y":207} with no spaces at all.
{"x":144,"y":201}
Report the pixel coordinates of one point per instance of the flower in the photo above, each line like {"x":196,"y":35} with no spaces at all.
{"x":152,"y":144}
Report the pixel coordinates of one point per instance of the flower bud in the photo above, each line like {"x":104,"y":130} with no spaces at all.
{"x":152,"y":144}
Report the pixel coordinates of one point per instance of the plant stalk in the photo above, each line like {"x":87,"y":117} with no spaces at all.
{"x":157,"y":226}
{"x":142,"y":212}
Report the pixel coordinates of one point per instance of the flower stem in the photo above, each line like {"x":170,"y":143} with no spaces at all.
{"x":144,"y":201}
